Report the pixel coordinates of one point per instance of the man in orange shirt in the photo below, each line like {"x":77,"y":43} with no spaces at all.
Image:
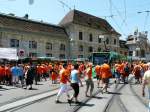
{"x":64,"y":78}
{"x":106,"y":74}
{"x":97,"y":70}
{"x":7,"y":74}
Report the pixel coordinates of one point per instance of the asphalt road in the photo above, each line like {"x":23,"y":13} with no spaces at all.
{"x":125,"y":100}
{"x":49,"y":104}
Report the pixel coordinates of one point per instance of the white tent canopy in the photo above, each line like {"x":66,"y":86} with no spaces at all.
{"x":8,"y":53}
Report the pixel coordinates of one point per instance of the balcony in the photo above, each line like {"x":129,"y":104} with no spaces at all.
{"x":131,"y":42}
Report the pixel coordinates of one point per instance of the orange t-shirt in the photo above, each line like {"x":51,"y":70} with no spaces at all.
{"x":105,"y":71}
{"x":97,"y":69}
{"x":64,"y":76}
{"x":81,"y":68}
{"x":39,"y":70}
{"x":2,"y":71}
{"x":7,"y":71}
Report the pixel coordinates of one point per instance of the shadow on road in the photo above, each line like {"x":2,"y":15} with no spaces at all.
{"x":97,"y":97}
{"x":115,"y":93}
{"x":85,"y":104}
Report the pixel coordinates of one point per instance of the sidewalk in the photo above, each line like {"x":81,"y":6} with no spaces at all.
{"x":10,"y":94}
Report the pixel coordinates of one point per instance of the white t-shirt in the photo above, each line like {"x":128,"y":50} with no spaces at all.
{"x":146,"y":77}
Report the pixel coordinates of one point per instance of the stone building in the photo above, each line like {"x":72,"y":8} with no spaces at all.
{"x":139,"y":46}
{"x":88,"y":34}
{"x":124,"y":50}
{"x":35,"y":39}
{"x":77,"y":36}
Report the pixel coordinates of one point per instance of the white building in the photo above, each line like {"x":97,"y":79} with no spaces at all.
{"x":138,"y":45}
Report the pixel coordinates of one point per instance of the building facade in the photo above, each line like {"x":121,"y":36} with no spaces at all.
{"x":32,"y":38}
{"x":88,"y":34}
{"x":139,"y":46}
{"x":77,"y":36}
{"x":124,"y":50}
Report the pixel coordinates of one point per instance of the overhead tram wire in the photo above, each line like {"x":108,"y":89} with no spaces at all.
{"x":120,"y":16}
{"x":112,"y":17}
{"x":146,"y":17}
{"x":64,"y":5}
{"x":125,"y":13}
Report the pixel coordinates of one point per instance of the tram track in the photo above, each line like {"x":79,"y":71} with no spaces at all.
{"x":120,"y":103}
{"x":138,"y":97}
{"x":116,"y":97}
{"x":21,"y":98}
{"x":15,"y":108}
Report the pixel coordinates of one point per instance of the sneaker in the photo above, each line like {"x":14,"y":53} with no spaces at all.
{"x":77,"y":102}
{"x":30,"y":88}
{"x":69,"y":101}
{"x":57,"y":101}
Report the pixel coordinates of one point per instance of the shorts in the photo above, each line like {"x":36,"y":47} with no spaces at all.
{"x":105,"y":80}
{"x":97,"y":77}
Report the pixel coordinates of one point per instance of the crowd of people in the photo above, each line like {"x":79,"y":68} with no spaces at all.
{"x":71,"y":75}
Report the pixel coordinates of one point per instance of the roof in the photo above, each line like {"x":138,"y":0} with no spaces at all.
{"x":122,"y":44}
{"x":81,"y":18}
{"x":25,"y":24}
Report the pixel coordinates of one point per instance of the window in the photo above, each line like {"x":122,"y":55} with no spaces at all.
{"x":49,"y":46}
{"x":90,"y":49}
{"x":99,"y":40}
{"x":115,"y":41}
{"x":62,"y":47}
{"x":62,"y":56}
{"x":48,"y":55}
{"x":90,"y":37}
{"x":14,"y":43}
{"x":80,"y":56}
{"x":137,"y":53}
{"x":80,"y":48}
{"x":99,"y":49}
{"x":80,"y":36}
{"x":130,"y":53}
{"x":32,"y":54}
{"x":125,"y":53}
{"x":107,"y":41}
{"x":33,"y":44}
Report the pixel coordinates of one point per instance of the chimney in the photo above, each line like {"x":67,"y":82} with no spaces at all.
{"x":26,"y":16}
{"x":11,"y":14}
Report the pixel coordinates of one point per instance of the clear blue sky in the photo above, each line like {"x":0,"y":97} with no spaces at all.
{"x":52,"y":11}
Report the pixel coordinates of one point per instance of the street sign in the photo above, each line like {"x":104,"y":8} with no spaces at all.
{"x":21,"y":53}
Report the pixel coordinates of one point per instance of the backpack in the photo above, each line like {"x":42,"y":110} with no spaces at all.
{"x":126,"y":69}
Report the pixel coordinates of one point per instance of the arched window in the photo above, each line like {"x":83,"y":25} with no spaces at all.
{"x":80,"y":48}
{"x":99,"y":49}
{"x":90,"y":37}
{"x":107,"y":41}
{"x":62,"y":47}
{"x":90,"y":49}
{"x":48,"y":46}
{"x":115,"y":41}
